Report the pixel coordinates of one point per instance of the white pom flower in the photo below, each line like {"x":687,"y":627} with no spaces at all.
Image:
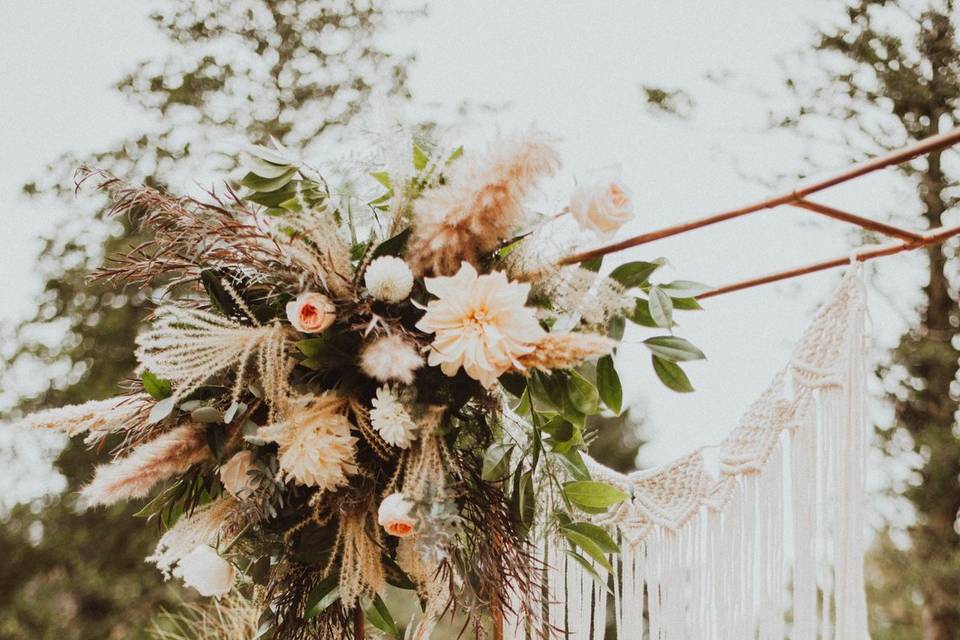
{"x":394,"y":516}
{"x":389,"y":279}
{"x":204,"y":570}
{"x":391,"y":358}
{"x":391,"y":420}
{"x":316,"y":448}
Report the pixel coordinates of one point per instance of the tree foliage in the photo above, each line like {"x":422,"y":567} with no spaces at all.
{"x":884,"y":74}
{"x":238,"y":71}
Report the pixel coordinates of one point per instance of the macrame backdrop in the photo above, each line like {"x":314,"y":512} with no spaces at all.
{"x":760,"y":536}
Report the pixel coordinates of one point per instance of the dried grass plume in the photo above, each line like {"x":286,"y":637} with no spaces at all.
{"x":134,"y":475}
{"x":563,"y":350}
{"x":479,"y":205}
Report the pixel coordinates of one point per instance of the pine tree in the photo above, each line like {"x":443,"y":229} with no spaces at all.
{"x":239,"y":71}
{"x":887,"y":74}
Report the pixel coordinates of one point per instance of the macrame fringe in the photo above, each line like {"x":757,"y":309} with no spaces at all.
{"x":767,"y":545}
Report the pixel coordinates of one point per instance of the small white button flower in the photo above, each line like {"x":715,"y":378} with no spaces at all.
{"x":389,"y":279}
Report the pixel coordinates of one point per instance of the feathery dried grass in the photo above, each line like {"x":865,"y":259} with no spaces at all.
{"x":563,"y":350}
{"x":97,"y":417}
{"x":220,"y":520}
{"x":189,"y":346}
{"x":479,"y":205}
{"x":135,"y":475}
{"x":232,"y":617}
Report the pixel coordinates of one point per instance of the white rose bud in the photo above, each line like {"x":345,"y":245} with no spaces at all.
{"x":389,"y":279}
{"x":234,"y":474}
{"x":602,"y":208}
{"x":204,"y":570}
{"x":394,"y":516}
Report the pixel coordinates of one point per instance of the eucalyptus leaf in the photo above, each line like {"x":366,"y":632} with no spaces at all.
{"x":161,"y":410}
{"x":263,"y":184}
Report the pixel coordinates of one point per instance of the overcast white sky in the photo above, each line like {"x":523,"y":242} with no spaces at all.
{"x":571,"y":68}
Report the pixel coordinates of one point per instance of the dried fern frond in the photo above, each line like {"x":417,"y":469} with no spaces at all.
{"x":478,"y":207}
{"x":133,"y":476}
{"x":188,"y":237}
{"x":313,"y":241}
{"x":189,"y":346}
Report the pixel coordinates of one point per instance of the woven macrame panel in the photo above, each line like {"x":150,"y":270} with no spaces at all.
{"x":764,"y":542}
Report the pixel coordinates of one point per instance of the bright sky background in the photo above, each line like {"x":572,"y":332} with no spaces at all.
{"x":572,"y":68}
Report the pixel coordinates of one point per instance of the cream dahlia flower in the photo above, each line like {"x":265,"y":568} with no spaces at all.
{"x":316,"y":448}
{"x":391,"y":358}
{"x":481,"y":324}
{"x":391,"y":420}
{"x":389,"y":279}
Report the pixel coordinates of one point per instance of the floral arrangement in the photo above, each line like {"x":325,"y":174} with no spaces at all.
{"x":336,"y":394}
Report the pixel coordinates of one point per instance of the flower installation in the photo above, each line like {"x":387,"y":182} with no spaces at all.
{"x":339,"y":394}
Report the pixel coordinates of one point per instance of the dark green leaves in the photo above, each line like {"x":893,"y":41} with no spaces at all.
{"x":158,"y":388}
{"x":673,"y":349}
{"x":671,"y":375}
{"x":608,"y":384}
{"x":582,"y":394}
{"x":636,"y":274}
{"x":379,"y":616}
{"x":496,"y":462}
{"x":322,"y":596}
{"x":393,"y":246}
{"x":592,"y":540}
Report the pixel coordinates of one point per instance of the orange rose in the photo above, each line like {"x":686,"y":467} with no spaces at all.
{"x":394,"y":516}
{"x":311,"y":312}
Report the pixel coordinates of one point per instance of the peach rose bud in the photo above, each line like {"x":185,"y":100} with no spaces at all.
{"x":311,"y":312}
{"x":602,"y":208}
{"x":235,"y":474}
{"x":394,"y":516}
